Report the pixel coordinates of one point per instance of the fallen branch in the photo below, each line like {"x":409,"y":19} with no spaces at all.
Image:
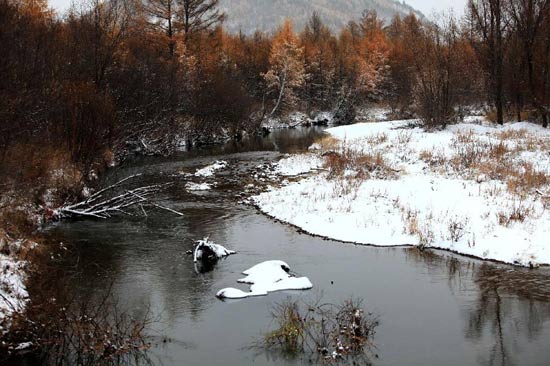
{"x":100,"y":205}
{"x":540,"y":193}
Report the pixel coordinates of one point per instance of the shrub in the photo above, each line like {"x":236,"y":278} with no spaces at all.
{"x":330,"y":333}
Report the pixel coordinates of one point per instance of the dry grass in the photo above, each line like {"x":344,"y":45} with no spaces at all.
{"x":463,"y":137}
{"x":526,"y":179}
{"x":498,"y":157}
{"x":328,"y":143}
{"x":415,"y":226}
{"x":349,"y":163}
{"x":16,"y":221}
{"x":403,"y":138}
{"x":512,"y":134}
{"x":378,"y":139}
{"x":32,"y":163}
{"x":326,"y":333}
{"x":517,"y":212}
{"x":457,"y":228}
{"x":39,"y":176}
{"x":433,"y":158}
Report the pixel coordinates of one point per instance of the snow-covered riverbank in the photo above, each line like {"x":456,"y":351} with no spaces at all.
{"x":474,"y":188}
{"x":13,"y":293}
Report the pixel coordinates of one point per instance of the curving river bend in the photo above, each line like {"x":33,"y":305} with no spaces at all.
{"x":435,"y":308}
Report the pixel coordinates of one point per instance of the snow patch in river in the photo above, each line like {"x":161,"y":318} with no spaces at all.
{"x":264,"y":278}
{"x":209,"y":170}
{"x":190,"y":186}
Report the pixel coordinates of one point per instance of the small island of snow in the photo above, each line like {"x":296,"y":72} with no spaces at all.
{"x":266,"y":277}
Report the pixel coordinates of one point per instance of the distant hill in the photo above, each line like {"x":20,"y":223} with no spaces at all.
{"x":266,"y":15}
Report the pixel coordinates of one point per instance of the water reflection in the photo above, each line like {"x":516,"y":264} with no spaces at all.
{"x":509,"y":302}
{"x":474,"y":312}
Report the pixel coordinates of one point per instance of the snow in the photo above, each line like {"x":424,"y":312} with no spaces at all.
{"x":234,"y":293}
{"x":13,"y":294}
{"x":264,"y":278}
{"x":190,"y":186}
{"x":209,"y":170}
{"x":374,"y":114}
{"x":296,"y":119}
{"x":23,"y":346}
{"x":298,"y":164}
{"x":218,"y":250}
{"x":434,"y":205}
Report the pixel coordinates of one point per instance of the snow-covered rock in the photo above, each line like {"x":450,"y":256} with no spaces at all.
{"x":264,"y":278}
{"x":207,"y":250}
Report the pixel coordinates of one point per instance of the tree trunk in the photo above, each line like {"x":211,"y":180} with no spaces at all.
{"x":281,"y":94}
{"x":170,"y":31}
{"x":499,"y":64}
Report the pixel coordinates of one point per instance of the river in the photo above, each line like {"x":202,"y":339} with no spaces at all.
{"x":435,"y":308}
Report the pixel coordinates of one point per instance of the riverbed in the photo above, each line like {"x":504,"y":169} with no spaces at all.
{"x":435,"y":308}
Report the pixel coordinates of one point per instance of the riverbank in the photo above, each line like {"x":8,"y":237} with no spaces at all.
{"x":473,"y":188}
{"x":13,"y":292}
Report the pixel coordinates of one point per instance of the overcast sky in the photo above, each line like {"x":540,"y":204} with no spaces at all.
{"x":426,"y":6}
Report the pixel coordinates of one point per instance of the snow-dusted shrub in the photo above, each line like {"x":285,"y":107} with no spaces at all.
{"x":81,"y":331}
{"x":457,"y":228}
{"x":517,"y":212}
{"x":351,"y":164}
{"x":328,"y":333}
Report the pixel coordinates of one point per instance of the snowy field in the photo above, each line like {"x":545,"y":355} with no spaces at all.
{"x":474,"y":188}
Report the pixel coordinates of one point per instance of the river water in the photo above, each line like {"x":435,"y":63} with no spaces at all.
{"x":435,"y":308}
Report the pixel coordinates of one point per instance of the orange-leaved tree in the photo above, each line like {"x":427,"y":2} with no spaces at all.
{"x":286,"y":74}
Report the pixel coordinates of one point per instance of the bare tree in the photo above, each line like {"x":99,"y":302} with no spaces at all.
{"x":528,"y":18}
{"x":487,"y":29}
{"x":198,"y":15}
{"x":162,"y":15}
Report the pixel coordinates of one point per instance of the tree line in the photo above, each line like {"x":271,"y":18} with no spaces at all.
{"x":109,"y":72}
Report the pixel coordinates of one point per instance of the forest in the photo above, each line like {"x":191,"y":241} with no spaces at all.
{"x":85,"y":91}
{"x":78,"y":89}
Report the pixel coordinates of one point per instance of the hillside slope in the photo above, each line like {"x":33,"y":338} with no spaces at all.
{"x":266,"y":15}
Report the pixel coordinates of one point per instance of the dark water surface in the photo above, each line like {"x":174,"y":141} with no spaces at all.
{"x":435,"y":308}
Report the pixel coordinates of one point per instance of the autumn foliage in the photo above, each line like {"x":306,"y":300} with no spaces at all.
{"x":110,"y":74}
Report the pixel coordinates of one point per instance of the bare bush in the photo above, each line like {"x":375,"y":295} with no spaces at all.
{"x":82,"y":330}
{"x":517,"y":212}
{"x":348,"y":162}
{"x":330,"y":333}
